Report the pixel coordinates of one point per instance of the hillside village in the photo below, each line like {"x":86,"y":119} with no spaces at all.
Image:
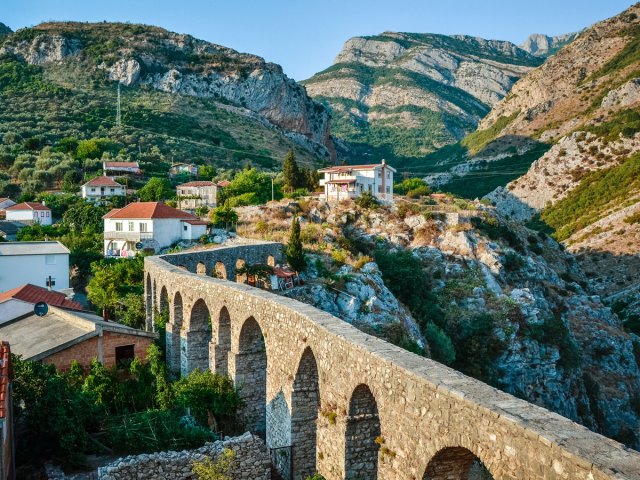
{"x":466,"y":207}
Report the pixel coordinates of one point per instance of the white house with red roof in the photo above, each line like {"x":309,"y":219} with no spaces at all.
{"x":30,"y":213}
{"x":121,"y":168}
{"x":351,"y":181}
{"x":101,"y":189}
{"x":154,"y":225}
{"x":192,"y":195}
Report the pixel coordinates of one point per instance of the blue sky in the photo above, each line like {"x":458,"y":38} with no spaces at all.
{"x":304,"y":36}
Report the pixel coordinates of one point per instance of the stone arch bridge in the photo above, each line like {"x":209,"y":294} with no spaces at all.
{"x":348,"y":404}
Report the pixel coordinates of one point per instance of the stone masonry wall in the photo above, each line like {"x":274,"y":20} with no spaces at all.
{"x":423,"y":407}
{"x":251,"y":462}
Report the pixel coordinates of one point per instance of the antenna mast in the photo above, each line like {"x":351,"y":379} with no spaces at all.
{"x":118,"y":116}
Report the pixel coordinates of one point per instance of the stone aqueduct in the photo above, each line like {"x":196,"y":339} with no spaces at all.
{"x":350,"y":405}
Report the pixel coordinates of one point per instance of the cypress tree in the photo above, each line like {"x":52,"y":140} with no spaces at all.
{"x":294,"y":251}
{"x":291,"y":172}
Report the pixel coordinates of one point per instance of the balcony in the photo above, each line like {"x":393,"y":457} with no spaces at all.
{"x":128,"y":236}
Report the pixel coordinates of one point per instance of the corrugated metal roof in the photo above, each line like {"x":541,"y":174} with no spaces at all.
{"x":32,"y":248}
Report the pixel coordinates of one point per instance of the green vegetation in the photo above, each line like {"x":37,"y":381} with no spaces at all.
{"x":412,"y":188}
{"x":128,"y":408}
{"x":294,"y":251}
{"x":597,"y":192}
{"x":156,"y":189}
{"x":624,"y":122}
{"x":112,"y":281}
{"x":209,"y":469}
{"x":630,"y":54}
{"x":476,"y":141}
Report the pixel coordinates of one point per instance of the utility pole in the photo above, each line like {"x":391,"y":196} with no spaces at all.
{"x":118,"y":116}
{"x":273,"y":176}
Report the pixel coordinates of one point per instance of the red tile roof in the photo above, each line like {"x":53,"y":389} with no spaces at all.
{"x":224,"y":183}
{"x":102,"y":182}
{"x":149,"y":210}
{"x":6,"y":375}
{"x":28,"y":206}
{"x":121,"y":164}
{"x":202,"y":183}
{"x":33,"y":294}
{"x":196,"y":222}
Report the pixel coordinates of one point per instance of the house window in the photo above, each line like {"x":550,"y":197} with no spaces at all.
{"x":379,"y":188}
{"x":50,"y":259}
{"x":118,"y":226}
{"x":185,"y":228}
{"x":93,"y":190}
{"x":125,"y":353}
{"x":379,"y":173}
{"x":388,"y":189}
{"x":131,"y":226}
{"x":112,"y":190}
{"x":388,"y":174}
{"x":370,"y":190}
{"x":143,"y":227}
{"x":48,"y":213}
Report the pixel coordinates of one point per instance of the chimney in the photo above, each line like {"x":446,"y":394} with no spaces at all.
{"x":44,"y":203}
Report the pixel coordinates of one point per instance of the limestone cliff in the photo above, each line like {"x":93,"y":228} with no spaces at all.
{"x":175,"y":63}
{"x":581,"y":109}
{"x":541,"y":45}
{"x":407,"y":94}
{"x":498,"y":301}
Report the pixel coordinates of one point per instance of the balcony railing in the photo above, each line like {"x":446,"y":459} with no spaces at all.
{"x":128,"y":236}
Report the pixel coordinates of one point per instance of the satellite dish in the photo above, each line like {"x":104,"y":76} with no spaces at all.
{"x":40,"y":309}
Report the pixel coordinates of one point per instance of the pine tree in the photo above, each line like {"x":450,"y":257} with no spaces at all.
{"x":294,"y":251}
{"x":291,"y":172}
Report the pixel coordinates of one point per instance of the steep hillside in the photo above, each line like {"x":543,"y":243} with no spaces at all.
{"x":218,"y":106}
{"x":403,"y":95}
{"x":4,"y":30}
{"x":544,"y":46}
{"x":487,"y":296}
{"x":581,"y":108}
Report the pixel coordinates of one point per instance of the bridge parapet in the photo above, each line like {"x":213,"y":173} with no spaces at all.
{"x":352,"y":405}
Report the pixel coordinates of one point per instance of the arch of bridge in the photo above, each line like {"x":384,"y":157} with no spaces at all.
{"x":423,"y":407}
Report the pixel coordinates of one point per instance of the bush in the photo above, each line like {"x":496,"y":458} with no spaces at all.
{"x":367,"y":201}
{"x":211,"y":398}
{"x":209,"y":469}
{"x":154,"y":431}
{"x":440,"y":344}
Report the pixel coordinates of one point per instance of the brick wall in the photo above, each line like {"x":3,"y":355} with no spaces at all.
{"x":87,"y":350}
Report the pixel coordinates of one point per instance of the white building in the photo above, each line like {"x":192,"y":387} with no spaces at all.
{"x":180,"y":168}
{"x":101,"y":189}
{"x":350,"y":181}
{"x":192,"y":195}
{"x":45,"y":264}
{"x":151,"y":224}
{"x":121,"y":168}
{"x":30,"y":213}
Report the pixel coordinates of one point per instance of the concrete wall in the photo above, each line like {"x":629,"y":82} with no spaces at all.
{"x":393,"y":414}
{"x":40,"y":216}
{"x":16,"y":270}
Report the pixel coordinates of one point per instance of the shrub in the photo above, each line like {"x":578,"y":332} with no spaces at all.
{"x":339,"y":256}
{"x":513,"y":262}
{"x":367,"y":201}
{"x":217,"y":469}
{"x":440,"y":344}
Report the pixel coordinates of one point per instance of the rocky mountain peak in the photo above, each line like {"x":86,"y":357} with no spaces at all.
{"x":541,"y":45}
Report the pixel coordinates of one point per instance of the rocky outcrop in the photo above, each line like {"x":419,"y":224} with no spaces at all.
{"x":42,"y":49}
{"x":541,"y":45}
{"x":402,"y":81}
{"x":181,"y":64}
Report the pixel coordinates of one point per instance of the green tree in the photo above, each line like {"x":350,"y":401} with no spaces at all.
{"x":155,"y":190}
{"x":293,"y":177}
{"x":294,"y":251}
{"x":102,"y":290}
{"x":217,"y":469}
{"x":211,"y":398}
{"x":223,"y":214}
{"x":248,"y":181}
